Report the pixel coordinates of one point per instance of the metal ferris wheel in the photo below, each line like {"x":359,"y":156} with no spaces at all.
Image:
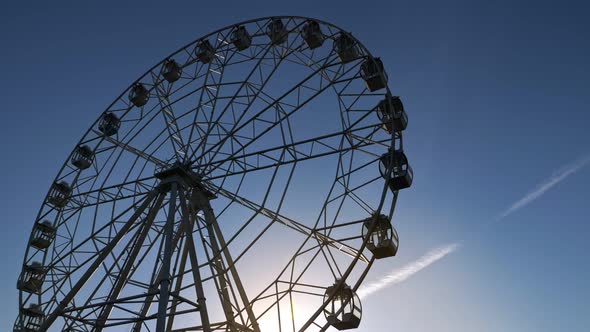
{"x":245,"y":183}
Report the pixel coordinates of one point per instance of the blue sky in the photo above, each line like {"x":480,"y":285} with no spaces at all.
{"x":497,"y":97}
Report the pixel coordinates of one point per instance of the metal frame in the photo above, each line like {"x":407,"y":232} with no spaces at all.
{"x":117,"y":251}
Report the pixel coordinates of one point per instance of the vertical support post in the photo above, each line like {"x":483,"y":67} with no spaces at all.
{"x":189,"y":243}
{"x":215,"y":235}
{"x":165,"y":276}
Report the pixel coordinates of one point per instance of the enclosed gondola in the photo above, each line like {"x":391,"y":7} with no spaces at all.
{"x":205,"y":51}
{"x":59,"y":194}
{"x":31,"y":319}
{"x":42,"y":235}
{"x":312,"y":34}
{"x":82,"y":157}
{"x":109,"y":124}
{"x":344,"y":310}
{"x":241,"y":38}
{"x":139,"y":95}
{"x":391,"y":113}
{"x":171,"y":70}
{"x":381,"y":236}
{"x":277,"y":32}
{"x":374,"y":74}
{"x":346,"y":47}
{"x":31,"y":278}
{"x":396,"y":170}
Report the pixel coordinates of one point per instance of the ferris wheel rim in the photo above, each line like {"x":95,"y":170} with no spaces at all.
{"x":176,"y":52}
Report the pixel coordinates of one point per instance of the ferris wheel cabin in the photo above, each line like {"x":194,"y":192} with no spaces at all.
{"x":401,"y":174}
{"x":43,"y":235}
{"x":31,"y":278}
{"x":139,"y":95}
{"x":171,"y":70}
{"x":31,"y":319}
{"x":391,"y":113}
{"x":109,"y":124}
{"x":277,"y":32}
{"x":82,"y":157}
{"x":59,"y":194}
{"x":344,"y":311}
{"x":205,"y":51}
{"x":374,"y":74}
{"x":383,"y":240}
{"x":346,"y":47}
{"x":312,"y":34}
{"x":241,"y":38}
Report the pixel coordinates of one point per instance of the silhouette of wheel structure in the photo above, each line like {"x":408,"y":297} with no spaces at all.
{"x":247,"y":182}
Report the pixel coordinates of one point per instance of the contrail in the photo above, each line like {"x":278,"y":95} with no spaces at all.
{"x":542,"y":188}
{"x":398,"y":275}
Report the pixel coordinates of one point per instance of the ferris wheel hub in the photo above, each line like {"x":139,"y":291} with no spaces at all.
{"x":182,"y":175}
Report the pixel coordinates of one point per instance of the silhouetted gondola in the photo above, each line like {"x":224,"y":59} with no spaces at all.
{"x":205,"y":51}
{"x":82,"y":157}
{"x":346,"y":47}
{"x":43,"y":235}
{"x":31,"y":278}
{"x":59,"y":194}
{"x":241,"y":38}
{"x":277,"y":32}
{"x":383,"y":241}
{"x":109,"y":124}
{"x":344,"y":310}
{"x":401,"y":174}
{"x":312,"y":34}
{"x":31,"y":319}
{"x":139,"y":95}
{"x":373,"y":73}
{"x":391,"y":113}
{"x":171,"y":70}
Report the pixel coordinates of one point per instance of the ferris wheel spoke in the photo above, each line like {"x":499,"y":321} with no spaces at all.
{"x":252,"y":89}
{"x":92,"y":268}
{"x":127,"y":266}
{"x":97,"y":304}
{"x":208,"y":99}
{"x":135,"y":189}
{"x":137,"y":152}
{"x":175,"y":136}
{"x":61,"y":255}
{"x":322,"y":146}
{"x":294,"y":92}
{"x":288,"y":222}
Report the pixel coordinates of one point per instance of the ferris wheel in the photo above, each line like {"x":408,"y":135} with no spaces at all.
{"x":247,"y":182}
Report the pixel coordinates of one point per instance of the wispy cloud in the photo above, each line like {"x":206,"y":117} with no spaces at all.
{"x":398,"y":275}
{"x":543,"y":187}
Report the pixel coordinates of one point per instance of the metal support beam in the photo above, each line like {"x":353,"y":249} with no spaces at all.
{"x":180,"y":148}
{"x":131,"y":149}
{"x":167,"y":254}
{"x":128,"y":265}
{"x":92,"y":268}
{"x":201,"y":201}
{"x":189,"y":243}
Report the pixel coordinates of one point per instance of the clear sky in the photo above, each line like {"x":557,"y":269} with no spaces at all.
{"x":497,"y":95}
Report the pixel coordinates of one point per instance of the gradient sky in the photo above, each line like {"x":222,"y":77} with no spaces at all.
{"x":497,"y":95}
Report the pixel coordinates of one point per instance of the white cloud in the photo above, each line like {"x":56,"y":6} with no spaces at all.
{"x":398,"y":275}
{"x":543,"y":187}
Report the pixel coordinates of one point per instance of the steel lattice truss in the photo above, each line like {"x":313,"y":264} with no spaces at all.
{"x":230,"y":201}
